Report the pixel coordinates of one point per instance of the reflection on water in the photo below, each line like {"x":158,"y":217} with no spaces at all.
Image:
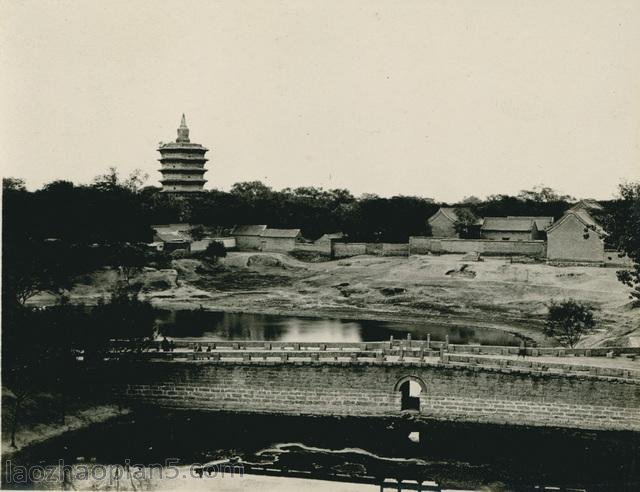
{"x":246,"y":326}
{"x":456,"y":456}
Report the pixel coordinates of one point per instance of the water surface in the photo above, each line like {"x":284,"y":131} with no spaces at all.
{"x":267,"y":327}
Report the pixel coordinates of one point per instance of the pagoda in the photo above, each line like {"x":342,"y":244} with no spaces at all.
{"x":182,"y":163}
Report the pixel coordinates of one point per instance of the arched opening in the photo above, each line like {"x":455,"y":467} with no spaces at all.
{"x":410,"y":388}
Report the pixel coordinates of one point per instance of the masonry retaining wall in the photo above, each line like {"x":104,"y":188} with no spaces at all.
{"x":470,"y":394}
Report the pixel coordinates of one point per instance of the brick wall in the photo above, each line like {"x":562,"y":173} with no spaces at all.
{"x":470,"y":394}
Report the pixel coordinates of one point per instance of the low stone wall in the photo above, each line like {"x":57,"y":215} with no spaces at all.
{"x":374,"y":249}
{"x":322,"y":248}
{"x":344,"y":250}
{"x":461,"y":393}
{"x":423,"y":245}
{"x":394,"y":249}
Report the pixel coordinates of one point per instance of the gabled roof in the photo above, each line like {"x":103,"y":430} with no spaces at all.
{"x":451,"y":213}
{"x":542,"y":223}
{"x":172,"y":236}
{"x":281,"y":233}
{"x":508,"y":224}
{"x":168,"y":233}
{"x":333,"y":235}
{"x":172,"y":227}
{"x":588,"y":204}
{"x":584,"y":217}
{"x":248,"y":230}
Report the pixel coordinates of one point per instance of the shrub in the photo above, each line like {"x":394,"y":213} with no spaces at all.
{"x":569,"y":321}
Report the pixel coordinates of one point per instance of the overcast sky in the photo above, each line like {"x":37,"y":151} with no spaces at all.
{"x":434,"y":98}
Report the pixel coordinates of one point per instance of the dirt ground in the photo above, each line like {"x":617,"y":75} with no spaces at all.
{"x":420,"y":289}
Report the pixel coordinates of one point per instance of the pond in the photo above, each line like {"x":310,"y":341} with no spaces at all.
{"x":246,"y":326}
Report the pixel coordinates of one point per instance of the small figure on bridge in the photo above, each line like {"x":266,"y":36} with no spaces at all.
{"x":522,"y":351}
{"x":172,"y":346}
{"x":165,"y":345}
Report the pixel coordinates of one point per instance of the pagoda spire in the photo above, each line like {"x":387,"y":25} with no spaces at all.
{"x":183,"y":130}
{"x":182,"y":163}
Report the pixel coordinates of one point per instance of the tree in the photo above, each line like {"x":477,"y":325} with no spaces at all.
{"x":121,"y":317}
{"x":622,"y":224}
{"x":471,"y":200}
{"x":543,"y":193}
{"x":129,"y":259}
{"x":569,"y":321}
{"x":215,"y":250}
{"x":465,"y":223}
{"x":20,"y":359}
{"x":111,"y":180}
{"x":251,"y":189}
{"x":32,"y":266}
{"x":198,"y":233}
{"x":13,"y":184}
{"x":36,"y":353}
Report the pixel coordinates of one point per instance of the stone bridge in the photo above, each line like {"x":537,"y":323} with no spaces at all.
{"x":597,"y":389}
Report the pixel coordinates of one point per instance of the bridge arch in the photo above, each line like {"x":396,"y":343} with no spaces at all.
{"x":411,"y":388}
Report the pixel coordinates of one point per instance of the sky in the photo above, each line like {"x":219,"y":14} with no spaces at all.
{"x":442,"y":99}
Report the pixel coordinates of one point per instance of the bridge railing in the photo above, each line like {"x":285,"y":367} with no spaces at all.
{"x":382,"y":354}
{"x":546,"y":366}
{"x":407,"y":344}
{"x":328,"y":354}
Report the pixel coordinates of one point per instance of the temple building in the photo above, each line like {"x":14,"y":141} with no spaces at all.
{"x":182,"y":163}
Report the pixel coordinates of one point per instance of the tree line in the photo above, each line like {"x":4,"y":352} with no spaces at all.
{"x":113,"y":209}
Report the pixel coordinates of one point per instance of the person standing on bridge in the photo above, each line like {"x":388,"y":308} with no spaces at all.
{"x":165,"y":345}
{"x":523,"y":349}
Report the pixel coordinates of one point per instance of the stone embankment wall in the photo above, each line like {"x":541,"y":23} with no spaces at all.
{"x":464,"y":393}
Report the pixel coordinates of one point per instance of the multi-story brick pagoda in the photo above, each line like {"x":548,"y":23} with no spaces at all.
{"x":182,"y":163}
